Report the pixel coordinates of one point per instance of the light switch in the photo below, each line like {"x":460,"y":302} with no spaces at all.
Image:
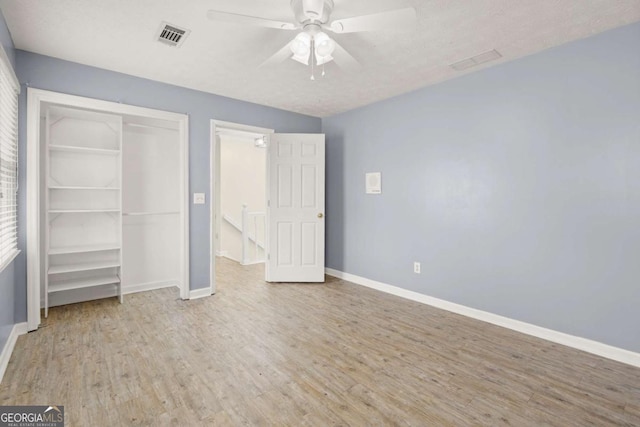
{"x":198,"y":198}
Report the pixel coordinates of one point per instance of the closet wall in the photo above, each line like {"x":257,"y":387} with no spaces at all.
{"x":151,"y":207}
{"x":112,"y":210}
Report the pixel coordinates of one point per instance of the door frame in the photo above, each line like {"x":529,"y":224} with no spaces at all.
{"x":215,"y":213}
{"x":35,"y":99}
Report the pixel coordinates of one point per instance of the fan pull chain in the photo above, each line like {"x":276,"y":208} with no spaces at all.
{"x":313,"y":57}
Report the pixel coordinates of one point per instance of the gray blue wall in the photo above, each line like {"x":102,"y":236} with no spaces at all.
{"x":48,"y":73}
{"x":7,"y":282}
{"x":517,"y":188}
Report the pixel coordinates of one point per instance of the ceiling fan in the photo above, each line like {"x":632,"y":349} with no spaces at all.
{"x":312,"y":46}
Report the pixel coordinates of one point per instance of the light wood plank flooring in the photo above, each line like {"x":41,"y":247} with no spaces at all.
{"x":286,"y":354}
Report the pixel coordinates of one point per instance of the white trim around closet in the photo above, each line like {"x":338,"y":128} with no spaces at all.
{"x":35,"y":99}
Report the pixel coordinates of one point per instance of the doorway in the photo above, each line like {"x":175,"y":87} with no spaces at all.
{"x":295,"y":192}
{"x":238,"y":183}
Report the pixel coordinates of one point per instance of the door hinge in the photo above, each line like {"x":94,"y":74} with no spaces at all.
{"x":268,"y":203}
{"x":269,"y":257}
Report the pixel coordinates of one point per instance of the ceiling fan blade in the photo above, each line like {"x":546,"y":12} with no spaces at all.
{"x":344,"y":60}
{"x":278,"y":57}
{"x":399,"y":18}
{"x":235,"y":18}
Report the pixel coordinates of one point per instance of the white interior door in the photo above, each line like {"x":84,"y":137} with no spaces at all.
{"x":295,"y":204}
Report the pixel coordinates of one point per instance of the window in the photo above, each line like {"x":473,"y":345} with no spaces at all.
{"x":9,"y":89}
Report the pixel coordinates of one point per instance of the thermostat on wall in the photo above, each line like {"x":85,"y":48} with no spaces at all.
{"x":373,"y":183}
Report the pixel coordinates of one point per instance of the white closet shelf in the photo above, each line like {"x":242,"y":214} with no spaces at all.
{"x":63,"y":112}
{"x":83,"y":206}
{"x":85,"y":266}
{"x":67,"y":285}
{"x":150,"y":213}
{"x":62,"y":187}
{"x":60,"y":211}
{"x":84,"y":248}
{"x":76,"y":149}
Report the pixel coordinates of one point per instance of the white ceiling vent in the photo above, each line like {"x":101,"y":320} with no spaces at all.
{"x":171,"y":34}
{"x":465,"y":64}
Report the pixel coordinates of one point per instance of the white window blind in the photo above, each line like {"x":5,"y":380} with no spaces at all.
{"x":9,"y":89}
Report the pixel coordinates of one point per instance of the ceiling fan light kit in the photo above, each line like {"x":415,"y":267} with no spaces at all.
{"x":301,"y":46}
{"x":312,"y":46}
{"x":324,"y":45}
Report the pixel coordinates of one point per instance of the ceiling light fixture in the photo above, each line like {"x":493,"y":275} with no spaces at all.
{"x":312,"y":47}
{"x":324,"y":46}
{"x":301,"y":48}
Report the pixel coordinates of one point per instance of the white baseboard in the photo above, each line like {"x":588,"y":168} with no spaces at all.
{"x":17,"y":330}
{"x":100,"y":292}
{"x":149,"y":286}
{"x":222,"y":253}
{"x":200,"y":293}
{"x":252,"y":263}
{"x":229,"y":256}
{"x":594,"y":347}
{"x":81,"y":295}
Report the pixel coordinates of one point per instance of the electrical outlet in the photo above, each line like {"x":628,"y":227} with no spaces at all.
{"x":416,"y":267}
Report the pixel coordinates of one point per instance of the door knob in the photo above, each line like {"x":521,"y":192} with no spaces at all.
{"x":320,"y":215}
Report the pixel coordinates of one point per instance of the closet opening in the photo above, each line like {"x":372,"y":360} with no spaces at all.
{"x":107,"y":186}
{"x":239,"y":194}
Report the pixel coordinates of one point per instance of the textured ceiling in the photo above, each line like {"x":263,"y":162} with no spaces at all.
{"x":223,"y":58}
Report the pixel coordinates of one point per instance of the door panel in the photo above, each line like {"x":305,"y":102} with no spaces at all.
{"x":309,"y":233}
{"x":296,"y":177}
{"x":285,"y":186}
{"x":284,"y":253}
{"x":309,"y":196}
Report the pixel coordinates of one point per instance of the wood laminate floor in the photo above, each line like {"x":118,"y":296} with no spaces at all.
{"x":287,"y":354}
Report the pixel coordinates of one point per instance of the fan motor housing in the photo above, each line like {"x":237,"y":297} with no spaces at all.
{"x":307,"y":11}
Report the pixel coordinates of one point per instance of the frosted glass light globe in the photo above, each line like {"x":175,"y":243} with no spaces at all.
{"x":301,"y":44}
{"x":324,"y":45}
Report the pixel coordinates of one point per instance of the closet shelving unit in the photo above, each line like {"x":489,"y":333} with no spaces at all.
{"x":111,"y":188}
{"x":83,"y":200}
